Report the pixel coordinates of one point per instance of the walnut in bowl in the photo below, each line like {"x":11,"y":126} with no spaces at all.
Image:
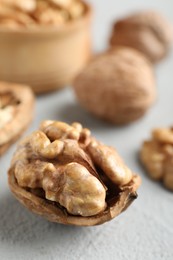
{"x":146,"y":31}
{"x":157,"y":156}
{"x":43,"y":43}
{"x":117,"y":85}
{"x":64,"y":174}
{"x":16,"y":112}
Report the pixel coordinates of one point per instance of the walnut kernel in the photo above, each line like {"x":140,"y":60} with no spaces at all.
{"x":15,"y":14}
{"x":16,"y":101}
{"x":81,"y":181}
{"x":157,"y":156}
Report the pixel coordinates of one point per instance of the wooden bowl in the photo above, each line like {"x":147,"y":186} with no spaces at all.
{"x":46,"y":58}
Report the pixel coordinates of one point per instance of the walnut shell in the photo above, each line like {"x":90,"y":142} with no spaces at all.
{"x":16,"y":112}
{"x":118,"y":85}
{"x":146,"y":31}
{"x":157,"y":156}
{"x":65,"y":175}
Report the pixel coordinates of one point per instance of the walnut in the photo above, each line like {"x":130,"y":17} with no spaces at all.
{"x":16,"y":112}
{"x":118,"y":85}
{"x":157,"y":156}
{"x":26,"y":6}
{"x":64,"y":174}
{"x":62,"y":3}
{"x":14,"y":18}
{"x":146,"y":31}
{"x":33,"y":13}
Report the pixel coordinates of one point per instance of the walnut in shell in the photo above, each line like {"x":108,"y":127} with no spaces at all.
{"x":157,"y":156}
{"x":16,"y":112}
{"x":26,"y":6}
{"x":118,"y":85}
{"x":64,"y":174}
{"x":147,"y":31}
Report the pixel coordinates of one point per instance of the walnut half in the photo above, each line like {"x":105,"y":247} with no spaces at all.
{"x":64,"y":174}
{"x":157,"y":156}
{"x":16,"y":112}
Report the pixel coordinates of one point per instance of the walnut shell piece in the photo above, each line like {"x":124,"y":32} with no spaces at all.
{"x":16,"y":112}
{"x":118,"y":85}
{"x":157,"y":156}
{"x":146,"y":31}
{"x":69,"y":178}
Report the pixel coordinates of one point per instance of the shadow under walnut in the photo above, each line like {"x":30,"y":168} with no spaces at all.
{"x":64,"y":174}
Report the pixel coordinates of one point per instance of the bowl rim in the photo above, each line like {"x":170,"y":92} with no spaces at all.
{"x":71,"y":25}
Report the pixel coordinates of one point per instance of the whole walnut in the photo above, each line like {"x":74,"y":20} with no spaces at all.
{"x":146,"y":31}
{"x":64,"y":174}
{"x":118,"y":85}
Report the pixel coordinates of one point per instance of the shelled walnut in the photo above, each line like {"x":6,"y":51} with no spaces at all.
{"x":16,"y":112}
{"x":146,"y":31}
{"x":64,"y":174}
{"x":33,"y":13}
{"x":157,"y":156}
{"x":118,"y":85}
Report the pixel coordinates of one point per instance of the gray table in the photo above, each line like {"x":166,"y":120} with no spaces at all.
{"x":145,"y":230}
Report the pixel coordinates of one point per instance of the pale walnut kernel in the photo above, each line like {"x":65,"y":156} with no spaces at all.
{"x":8,"y":106}
{"x":15,"y":14}
{"x":24,"y":5}
{"x":80,"y":192}
{"x":157,"y":156}
{"x":62,"y":3}
{"x":163,"y":135}
{"x":71,"y":169}
{"x":16,"y":101}
{"x":6,"y":115}
{"x":110,"y":162}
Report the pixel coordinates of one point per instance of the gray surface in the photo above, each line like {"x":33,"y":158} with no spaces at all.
{"x":145,"y":230}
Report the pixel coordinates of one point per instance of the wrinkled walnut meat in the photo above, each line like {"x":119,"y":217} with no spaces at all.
{"x":16,"y":111}
{"x":146,"y":31}
{"x":62,"y":173}
{"x":157,"y":156}
{"x":33,"y":13}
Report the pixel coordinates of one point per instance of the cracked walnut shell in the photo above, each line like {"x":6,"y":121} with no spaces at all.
{"x":118,"y":85}
{"x":64,"y":174}
{"x":146,"y":31}
{"x":157,"y":156}
{"x":16,"y":112}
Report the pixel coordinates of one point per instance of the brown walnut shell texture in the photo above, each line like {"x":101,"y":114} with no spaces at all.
{"x":76,"y":147}
{"x":146,"y":31}
{"x":156,"y":156}
{"x":21,"y":101}
{"x":118,"y":85}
